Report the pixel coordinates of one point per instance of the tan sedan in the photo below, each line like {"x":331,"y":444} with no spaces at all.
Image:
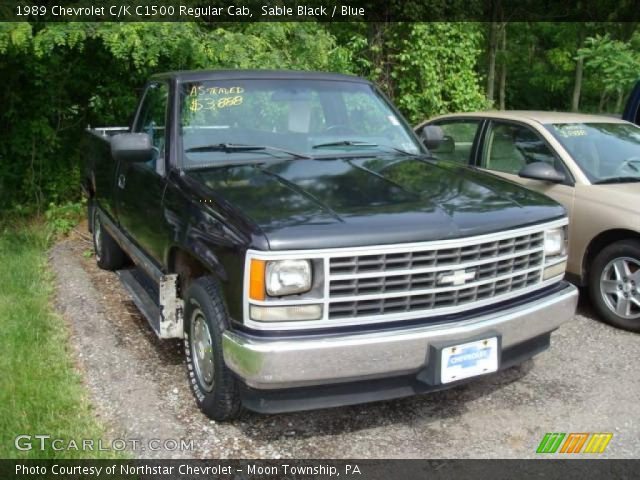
{"x":590,"y":164}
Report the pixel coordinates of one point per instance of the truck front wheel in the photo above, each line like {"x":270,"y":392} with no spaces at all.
{"x":614,"y":284}
{"x":205,"y":320}
{"x":109,"y":255}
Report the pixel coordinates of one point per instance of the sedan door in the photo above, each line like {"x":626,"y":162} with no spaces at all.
{"x":461,"y":139}
{"x":507,"y":147}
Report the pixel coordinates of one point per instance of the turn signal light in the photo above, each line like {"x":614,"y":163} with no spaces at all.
{"x":256,"y":280}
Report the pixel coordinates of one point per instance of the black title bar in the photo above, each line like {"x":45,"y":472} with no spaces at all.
{"x":318,"y":469}
{"x":320,"y":10}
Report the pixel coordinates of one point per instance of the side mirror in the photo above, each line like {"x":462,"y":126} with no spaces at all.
{"x":132,"y":147}
{"x":432,"y":136}
{"x":541,"y":171}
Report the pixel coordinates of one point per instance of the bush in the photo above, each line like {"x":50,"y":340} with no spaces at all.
{"x":61,"y":219}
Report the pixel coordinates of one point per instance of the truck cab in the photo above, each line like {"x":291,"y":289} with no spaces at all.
{"x":299,"y":237}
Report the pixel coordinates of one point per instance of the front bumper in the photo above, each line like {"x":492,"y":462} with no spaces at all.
{"x":267,"y":363}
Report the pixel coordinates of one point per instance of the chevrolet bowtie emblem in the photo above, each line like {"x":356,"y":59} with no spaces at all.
{"x":457,"y":277}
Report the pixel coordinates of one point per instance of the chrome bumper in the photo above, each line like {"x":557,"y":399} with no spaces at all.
{"x":274,"y":363}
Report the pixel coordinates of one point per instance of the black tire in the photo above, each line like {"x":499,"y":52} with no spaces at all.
{"x":216,"y":392}
{"x":109,"y":255}
{"x":629,"y":252}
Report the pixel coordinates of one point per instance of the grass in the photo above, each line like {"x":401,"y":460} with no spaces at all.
{"x":41,"y":393}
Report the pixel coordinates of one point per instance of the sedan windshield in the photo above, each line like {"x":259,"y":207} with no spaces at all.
{"x":606,"y":152}
{"x":239,"y":121}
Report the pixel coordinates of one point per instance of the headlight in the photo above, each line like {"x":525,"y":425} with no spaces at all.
{"x":285,"y":277}
{"x":554,"y":242}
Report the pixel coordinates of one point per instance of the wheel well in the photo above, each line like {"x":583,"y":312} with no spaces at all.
{"x":186,"y":266}
{"x":88,"y":186}
{"x":601,"y":241}
{"x":90,"y":194}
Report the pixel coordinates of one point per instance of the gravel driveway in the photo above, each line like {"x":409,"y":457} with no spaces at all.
{"x":587,"y":382}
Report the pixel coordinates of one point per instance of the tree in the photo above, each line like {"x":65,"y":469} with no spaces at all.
{"x":435,"y":69}
{"x":426,"y":68}
{"x":502,"y":79}
{"x":59,"y":77}
{"x":614,"y":65}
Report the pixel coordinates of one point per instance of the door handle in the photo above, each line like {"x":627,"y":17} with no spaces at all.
{"x":122,"y":181}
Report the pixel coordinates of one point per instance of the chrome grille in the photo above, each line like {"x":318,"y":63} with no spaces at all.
{"x":397,"y":282}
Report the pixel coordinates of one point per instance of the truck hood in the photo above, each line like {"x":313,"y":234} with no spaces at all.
{"x":343,"y":202}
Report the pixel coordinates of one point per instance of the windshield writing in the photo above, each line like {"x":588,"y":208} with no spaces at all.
{"x":606,"y":152}
{"x":307,"y":117}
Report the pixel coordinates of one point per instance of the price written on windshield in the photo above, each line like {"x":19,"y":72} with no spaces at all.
{"x":214,"y":98}
{"x":571,"y":131}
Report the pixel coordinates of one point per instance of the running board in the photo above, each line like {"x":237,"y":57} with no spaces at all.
{"x":158,"y":303}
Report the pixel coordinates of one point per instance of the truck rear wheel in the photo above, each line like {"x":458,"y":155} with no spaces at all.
{"x":614,"y":284}
{"x":109,"y":255}
{"x":205,"y":320}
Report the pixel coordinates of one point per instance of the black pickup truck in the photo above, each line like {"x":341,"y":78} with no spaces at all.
{"x":298,"y":236}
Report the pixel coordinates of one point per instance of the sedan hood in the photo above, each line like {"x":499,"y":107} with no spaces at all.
{"x":320,"y":203}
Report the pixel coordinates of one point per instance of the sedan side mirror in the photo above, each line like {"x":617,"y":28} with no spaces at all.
{"x":432,"y":136}
{"x":541,"y":171}
{"x":132,"y":147}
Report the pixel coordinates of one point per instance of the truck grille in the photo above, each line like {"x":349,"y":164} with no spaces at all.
{"x":431,"y":279}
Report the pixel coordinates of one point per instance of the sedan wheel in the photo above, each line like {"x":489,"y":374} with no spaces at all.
{"x":614,"y":284}
{"x":620,"y":287}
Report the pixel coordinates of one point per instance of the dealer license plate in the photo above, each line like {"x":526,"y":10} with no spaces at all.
{"x":469,"y":360}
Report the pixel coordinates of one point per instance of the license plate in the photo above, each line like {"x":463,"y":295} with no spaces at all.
{"x":469,"y":360}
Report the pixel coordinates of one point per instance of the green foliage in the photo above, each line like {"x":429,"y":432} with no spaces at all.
{"x":60,"y":77}
{"x":542,"y":59}
{"x":541,"y":64}
{"x":426,"y":68}
{"x":40,"y":390}
{"x":613,"y":65}
{"x":435,"y":69}
{"x":61,"y":219}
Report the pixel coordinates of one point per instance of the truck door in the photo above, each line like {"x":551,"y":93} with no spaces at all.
{"x":140,"y":186}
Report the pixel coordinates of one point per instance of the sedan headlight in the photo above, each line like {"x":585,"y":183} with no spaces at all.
{"x":286,"y":277}
{"x":555,"y":242}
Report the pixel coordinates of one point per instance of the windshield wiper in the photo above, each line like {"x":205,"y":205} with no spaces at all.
{"x":236,"y":147}
{"x":403,"y":152}
{"x":356,"y":143}
{"x":617,"y":180}
{"x":346,"y":143}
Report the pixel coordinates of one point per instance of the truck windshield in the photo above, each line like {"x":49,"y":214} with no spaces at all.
{"x":606,"y":152}
{"x":230,"y":121}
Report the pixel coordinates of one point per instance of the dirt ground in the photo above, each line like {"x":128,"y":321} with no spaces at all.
{"x":587,"y":382}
